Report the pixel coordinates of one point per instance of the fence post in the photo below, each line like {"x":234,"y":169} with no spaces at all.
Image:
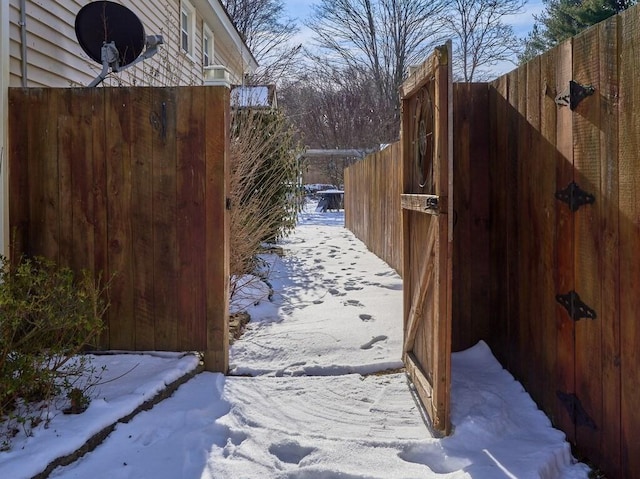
{"x":217,"y":118}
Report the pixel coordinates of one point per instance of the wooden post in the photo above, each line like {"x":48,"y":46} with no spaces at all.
{"x":217,"y":117}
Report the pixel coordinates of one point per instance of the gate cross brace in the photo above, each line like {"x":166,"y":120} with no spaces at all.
{"x":417,"y":305}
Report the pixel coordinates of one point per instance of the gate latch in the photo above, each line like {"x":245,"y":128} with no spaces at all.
{"x":573,"y":95}
{"x":575,"y":197}
{"x":575,"y":307}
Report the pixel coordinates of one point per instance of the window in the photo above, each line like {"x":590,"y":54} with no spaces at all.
{"x":207,"y":46}
{"x":187,"y":27}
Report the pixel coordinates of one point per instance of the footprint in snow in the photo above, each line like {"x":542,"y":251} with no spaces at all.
{"x":318,"y":301}
{"x":366,"y":317}
{"x":290,"y":452}
{"x":377,"y":339}
{"x":336,"y":292}
{"x":353,"y":302}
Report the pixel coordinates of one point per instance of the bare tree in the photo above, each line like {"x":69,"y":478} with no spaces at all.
{"x":268,"y":34}
{"x":338,"y":108}
{"x":481,"y":38}
{"x":380,"y":38}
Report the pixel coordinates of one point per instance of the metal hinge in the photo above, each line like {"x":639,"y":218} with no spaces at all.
{"x":575,"y":197}
{"x":575,"y":307}
{"x":574,"y":94}
{"x":576,"y":410}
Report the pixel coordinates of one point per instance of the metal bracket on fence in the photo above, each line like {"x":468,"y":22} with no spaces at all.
{"x":575,"y":307}
{"x":576,"y":410}
{"x":574,"y":94}
{"x":575,"y":197}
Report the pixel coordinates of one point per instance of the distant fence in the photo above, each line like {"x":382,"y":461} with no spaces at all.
{"x":372,"y":203}
{"x":130,"y":184}
{"x":546,"y":264}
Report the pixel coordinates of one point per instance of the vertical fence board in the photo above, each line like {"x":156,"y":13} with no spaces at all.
{"x":536,"y":189}
{"x":190,"y":129}
{"x":548,"y":160}
{"x":142,"y":213}
{"x":629,"y":216}
{"x":217,"y":229}
{"x":588,"y":275}
{"x":19,"y":177}
{"x":610,"y":447}
{"x":99,"y":193}
{"x":498,"y":198}
{"x":119,"y":259}
{"x":512,"y":299}
{"x":71,"y":138}
{"x":164,"y":222}
{"x":43,"y":172}
{"x":565,"y":346}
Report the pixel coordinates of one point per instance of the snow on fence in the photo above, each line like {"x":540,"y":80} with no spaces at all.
{"x":130,"y":184}
{"x":546,"y":238}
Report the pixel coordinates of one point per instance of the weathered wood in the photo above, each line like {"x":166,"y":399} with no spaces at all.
{"x":588,"y":240}
{"x":120,"y":262}
{"x":165,"y":223}
{"x":191,"y":228}
{"x":629,"y":231}
{"x":142,"y":162}
{"x":373,"y":205}
{"x":19,"y":178}
{"x":608,"y":257}
{"x":431,"y":204}
{"x":97,"y":182}
{"x":426,"y":72}
{"x":217,"y":229}
{"x":424,"y":288}
{"x":564,"y":266}
{"x":546,"y":171}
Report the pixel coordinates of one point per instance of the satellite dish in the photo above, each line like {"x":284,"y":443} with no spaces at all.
{"x":112,"y":35}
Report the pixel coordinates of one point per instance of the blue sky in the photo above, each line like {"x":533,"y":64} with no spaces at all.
{"x":300,"y":9}
{"x":522,"y":23}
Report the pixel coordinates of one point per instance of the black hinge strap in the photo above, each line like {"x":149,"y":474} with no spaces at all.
{"x":575,"y":307}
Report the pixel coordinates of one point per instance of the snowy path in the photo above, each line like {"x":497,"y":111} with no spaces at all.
{"x":305,"y":415}
{"x":340,"y":305}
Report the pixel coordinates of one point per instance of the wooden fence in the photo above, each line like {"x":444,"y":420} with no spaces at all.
{"x":372,"y":203}
{"x":546,"y":264}
{"x":131,"y":184}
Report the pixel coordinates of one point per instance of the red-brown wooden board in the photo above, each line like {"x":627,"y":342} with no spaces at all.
{"x":427,"y":166}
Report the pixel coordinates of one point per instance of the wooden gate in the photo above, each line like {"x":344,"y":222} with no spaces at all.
{"x":427,"y":208}
{"x":131,"y":184}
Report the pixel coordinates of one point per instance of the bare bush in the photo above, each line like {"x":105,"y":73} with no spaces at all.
{"x":264,"y":190}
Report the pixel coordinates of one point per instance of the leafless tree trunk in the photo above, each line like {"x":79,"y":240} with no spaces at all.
{"x":380,"y":38}
{"x":481,"y":38}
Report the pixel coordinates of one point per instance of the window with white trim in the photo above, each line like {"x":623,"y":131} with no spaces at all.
{"x":207,"y":46}
{"x":187,"y":27}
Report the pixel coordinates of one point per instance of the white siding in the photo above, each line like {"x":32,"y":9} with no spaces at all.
{"x":54,"y":57}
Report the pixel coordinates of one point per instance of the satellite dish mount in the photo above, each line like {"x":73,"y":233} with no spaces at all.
{"x":113,"y":36}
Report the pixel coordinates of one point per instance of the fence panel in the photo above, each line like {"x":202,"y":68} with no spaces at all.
{"x":131,"y":184}
{"x":372,"y":203}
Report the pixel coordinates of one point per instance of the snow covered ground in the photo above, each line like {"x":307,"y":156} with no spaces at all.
{"x":302,"y":408}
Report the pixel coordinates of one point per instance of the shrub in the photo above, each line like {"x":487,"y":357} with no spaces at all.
{"x":46,"y":317}
{"x":265,"y":195}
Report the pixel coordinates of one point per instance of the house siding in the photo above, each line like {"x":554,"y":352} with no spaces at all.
{"x":55,"y":59}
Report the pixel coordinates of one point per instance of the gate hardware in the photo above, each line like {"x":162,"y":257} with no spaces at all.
{"x":576,"y":410}
{"x":573,"y":95}
{"x":575,"y":307}
{"x":575,"y":197}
